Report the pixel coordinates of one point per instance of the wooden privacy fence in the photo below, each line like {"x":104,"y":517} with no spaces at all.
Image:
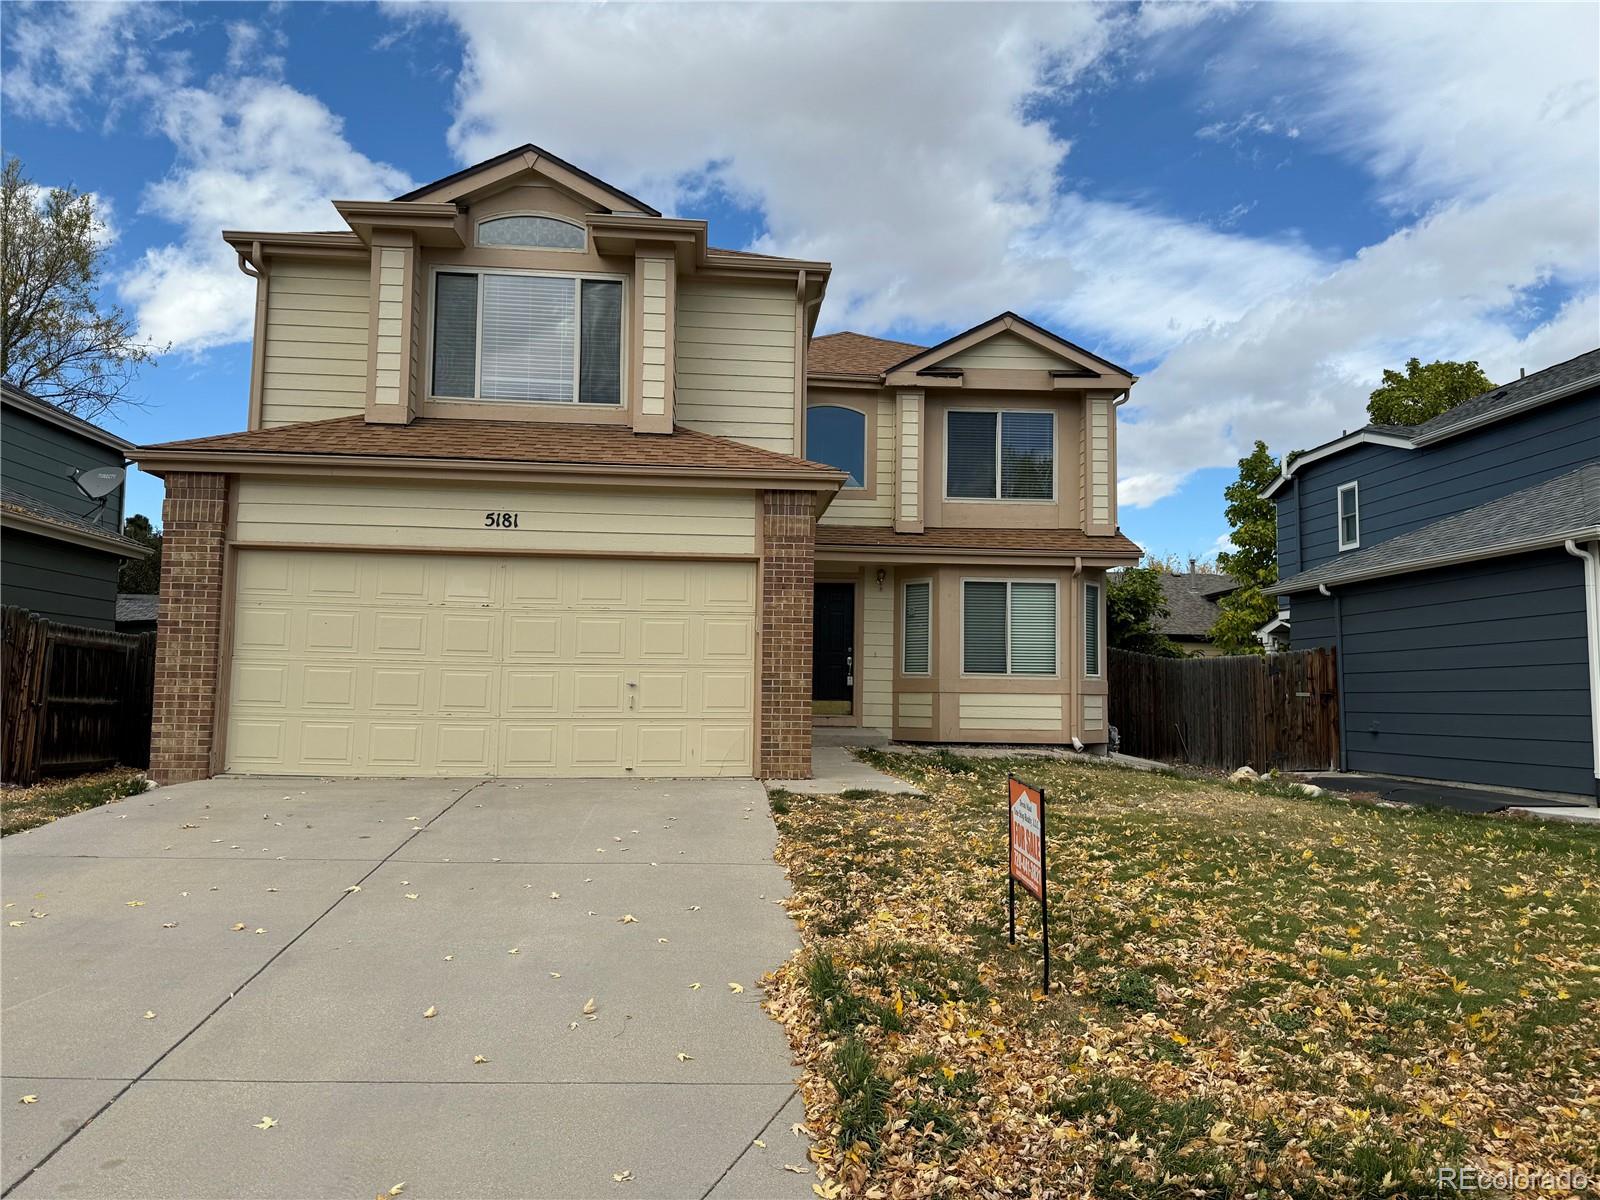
{"x":76,"y":699}
{"x":1277,"y":712}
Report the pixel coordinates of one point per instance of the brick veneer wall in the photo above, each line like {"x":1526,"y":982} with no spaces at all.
{"x":788,"y":571}
{"x":189,"y":628}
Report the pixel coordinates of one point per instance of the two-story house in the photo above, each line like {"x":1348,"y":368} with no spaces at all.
{"x":60,"y":513}
{"x":537,"y":482}
{"x":1455,"y":566}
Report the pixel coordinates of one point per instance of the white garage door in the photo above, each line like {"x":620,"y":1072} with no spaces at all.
{"x":406,"y":664}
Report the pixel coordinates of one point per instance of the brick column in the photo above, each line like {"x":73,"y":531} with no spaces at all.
{"x":788,"y":528}
{"x":189,"y":629}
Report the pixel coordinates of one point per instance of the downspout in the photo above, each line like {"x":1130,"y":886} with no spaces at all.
{"x":1338,"y":659}
{"x":1591,"y":614}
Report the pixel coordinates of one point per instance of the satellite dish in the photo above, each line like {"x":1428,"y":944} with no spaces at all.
{"x":99,"y":482}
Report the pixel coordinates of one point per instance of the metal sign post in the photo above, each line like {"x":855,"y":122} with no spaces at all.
{"x":1025,"y":830}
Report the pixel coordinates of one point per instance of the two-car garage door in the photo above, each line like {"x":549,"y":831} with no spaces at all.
{"x":458,"y":664}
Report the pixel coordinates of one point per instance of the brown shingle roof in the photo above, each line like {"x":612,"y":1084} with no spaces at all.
{"x":1040,"y":541}
{"x":532,"y":442}
{"x":856,"y":354}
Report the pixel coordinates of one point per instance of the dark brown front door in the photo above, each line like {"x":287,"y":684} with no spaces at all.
{"x":833,"y":641}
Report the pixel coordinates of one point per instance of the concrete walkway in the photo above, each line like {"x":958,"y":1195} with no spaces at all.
{"x":835,"y":769}
{"x":179,"y":967}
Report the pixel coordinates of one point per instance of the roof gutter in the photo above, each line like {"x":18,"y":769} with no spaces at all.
{"x":24,"y":522}
{"x":1542,"y":542}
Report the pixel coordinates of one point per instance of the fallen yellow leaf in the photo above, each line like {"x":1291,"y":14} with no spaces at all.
{"x":431,"y":1011}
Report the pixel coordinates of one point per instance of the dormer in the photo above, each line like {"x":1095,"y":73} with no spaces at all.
{"x":522,"y":288}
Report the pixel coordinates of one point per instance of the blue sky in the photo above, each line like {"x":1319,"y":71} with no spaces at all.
{"x":1256,"y":208}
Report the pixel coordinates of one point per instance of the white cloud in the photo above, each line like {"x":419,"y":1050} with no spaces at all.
{"x":59,"y":56}
{"x":1503,"y":162}
{"x":252,"y":153}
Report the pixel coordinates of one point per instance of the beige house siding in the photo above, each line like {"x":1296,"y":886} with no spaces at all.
{"x":877,"y":651}
{"x":314,"y":364}
{"x":736,"y":362}
{"x":654,"y":298}
{"x":987,"y":713}
{"x":388,"y":385}
{"x":1098,"y":440}
{"x":1094,"y":713}
{"x":1006,"y":352}
{"x":916,"y":710}
{"x":451,"y":516}
{"x":876,"y":507}
{"x":908,"y":475}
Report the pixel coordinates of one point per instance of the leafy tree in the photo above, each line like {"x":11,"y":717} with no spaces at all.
{"x":141,"y":576}
{"x":1253,"y":560}
{"x":1424,"y":392}
{"x":57,"y":340}
{"x":1135,"y":606}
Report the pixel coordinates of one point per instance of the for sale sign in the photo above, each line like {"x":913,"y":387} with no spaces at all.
{"x":1027,"y":865}
{"x":1027,"y":836}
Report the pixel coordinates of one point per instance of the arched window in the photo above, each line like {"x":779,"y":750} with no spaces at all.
{"x":838,"y":436}
{"x":533,"y":232}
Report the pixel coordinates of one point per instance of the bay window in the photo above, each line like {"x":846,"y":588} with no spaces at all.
{"x":1008,"y":627}
{"x":999,"y":455}
{"x":527,"y":338}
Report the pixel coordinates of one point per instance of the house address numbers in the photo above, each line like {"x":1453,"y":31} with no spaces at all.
{"x":500,"y":520}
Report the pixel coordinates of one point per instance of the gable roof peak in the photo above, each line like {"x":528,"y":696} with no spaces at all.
{"x":623,"y":202}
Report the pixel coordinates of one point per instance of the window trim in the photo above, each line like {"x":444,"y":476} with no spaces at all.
{"x":1008,"y":673}
{"x":429,"y":317}
{"x":867,"y":489}
{"x":477,"y":236}
{"x":905,"y":585}
{"x":999,"y":443}
{"x":1100,"y":630}
{"x":1354,"y":488}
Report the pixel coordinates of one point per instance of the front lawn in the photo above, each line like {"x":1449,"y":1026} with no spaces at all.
{"x":1256,"y":994}
{"x":25,"y":807}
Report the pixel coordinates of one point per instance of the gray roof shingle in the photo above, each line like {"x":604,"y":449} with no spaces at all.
{"x":1192,"y":602}
{"x":131,"y":607}
{"x":1545,"y":514}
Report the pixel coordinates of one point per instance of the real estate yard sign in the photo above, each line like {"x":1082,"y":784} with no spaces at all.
{"x":1025,"y":827}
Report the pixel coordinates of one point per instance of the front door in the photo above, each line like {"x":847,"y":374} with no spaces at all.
{"x":833,"y":644}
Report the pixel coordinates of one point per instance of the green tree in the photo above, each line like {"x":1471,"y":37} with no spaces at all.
{"x":1135,"y":607}
{"x":58,"y":341}
{"x":1253,"y":559}
{"x":1424,"y":392}
{"x":141,"y":576}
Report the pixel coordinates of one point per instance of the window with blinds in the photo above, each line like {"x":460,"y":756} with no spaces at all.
{"x":527,"y":338}
{"x":1008,"y":628}
{"x":999,"y":455}
{"x":1091,"y":630}
{"x":916,"y":628}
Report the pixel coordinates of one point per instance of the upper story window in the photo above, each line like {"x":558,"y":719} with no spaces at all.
{"x":1349,"y":516}
{"x":532,"y":232}
{"x":838,"y":436}
{"x":526,"y":337}
{"x":999,"y":455}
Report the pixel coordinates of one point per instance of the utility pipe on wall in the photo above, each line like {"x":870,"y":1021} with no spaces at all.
{"x":1591,"y":621}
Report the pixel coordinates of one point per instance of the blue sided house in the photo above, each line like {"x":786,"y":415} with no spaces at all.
{"x":1455,"y":567}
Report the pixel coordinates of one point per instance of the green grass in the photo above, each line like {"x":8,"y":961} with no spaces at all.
{"x":27,"y":808}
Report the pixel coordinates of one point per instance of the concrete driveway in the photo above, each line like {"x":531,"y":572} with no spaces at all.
{"x":289,"y":937}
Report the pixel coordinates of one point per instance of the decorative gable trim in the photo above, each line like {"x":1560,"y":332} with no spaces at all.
{"x":930,"y":367}
{"x":470,"y":181}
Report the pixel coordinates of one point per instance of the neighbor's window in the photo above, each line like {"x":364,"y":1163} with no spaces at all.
{"x":916,"y":628}
{"x":549,"y":338}
{"x":531,"y":232}
{"x":1008,"y":628}
{"x":1349,"y":517}
{"x":1091,"y":630}
{"x":838,"y":436}
{"x":999,"y":455}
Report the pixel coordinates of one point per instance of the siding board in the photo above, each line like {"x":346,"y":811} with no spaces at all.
{"x":735,"y":364}
{"x":314,"y":365}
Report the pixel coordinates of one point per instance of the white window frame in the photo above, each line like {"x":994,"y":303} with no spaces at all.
{"x":1100,"y":628}
{"x":477,"y":347}
{"x":928,"y":674}
{"x":1353,"y":487}
{"x":477,"y":233}
{"x":866,"y":442}
{"x":1008,"y":673}
{"x":999,"y":440}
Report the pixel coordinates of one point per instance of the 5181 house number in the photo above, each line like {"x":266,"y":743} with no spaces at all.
{"x":500,"y":520}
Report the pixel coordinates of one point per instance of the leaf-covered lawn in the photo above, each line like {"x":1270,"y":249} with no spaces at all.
{"x":25,"y":807}
{"x":1253,"y":994}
